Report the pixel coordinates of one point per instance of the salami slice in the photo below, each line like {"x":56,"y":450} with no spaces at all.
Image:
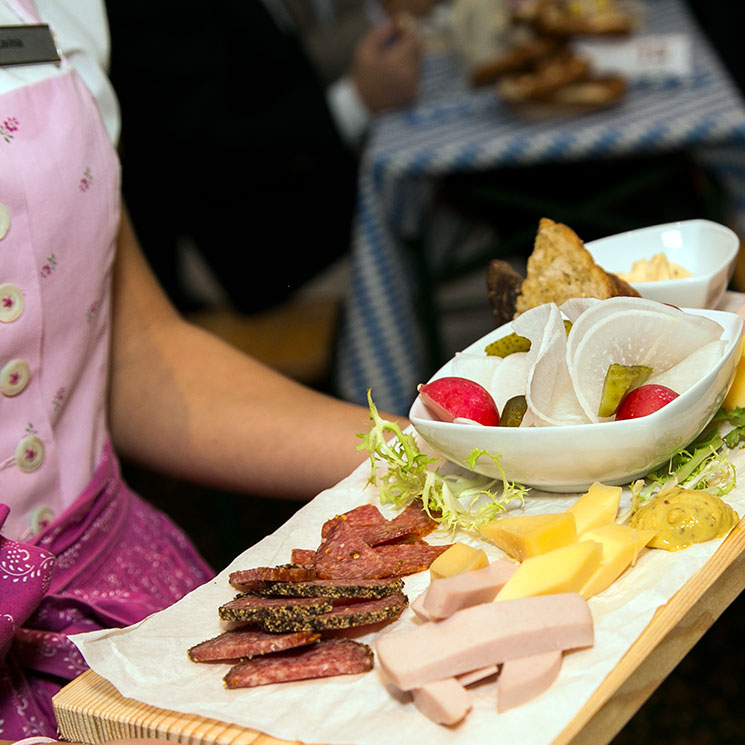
{"x":255,"y":608}
{"x":245,"y":578}
{"x":344,"y":554}
{"x":238,"y":643}
{"x":408,"y":558}
{"x":331,"y":588}
{"x":342,"y":616}
{"x":412,"y":522}
{"x":321,"y":660}
{"x":304,"y":556}
{"x":359,"y":518}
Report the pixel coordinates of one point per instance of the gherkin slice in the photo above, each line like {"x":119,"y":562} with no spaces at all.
{"x":619,"y":380}
{"x":514,"y":343}
{"x":513,"y":412}
{"x":508,"y":345}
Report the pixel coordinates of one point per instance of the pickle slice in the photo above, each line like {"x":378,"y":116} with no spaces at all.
{"x":508,"y":345}
{"x":619,"y":380}
{"x":514,"y":343}
{"x":513,"y":412}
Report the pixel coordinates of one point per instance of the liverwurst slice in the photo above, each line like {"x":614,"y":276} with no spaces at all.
{"x":485,"y":634}
{"x":443,"y":701}
{"x":523,"y":679}
{"x":447,"y":595}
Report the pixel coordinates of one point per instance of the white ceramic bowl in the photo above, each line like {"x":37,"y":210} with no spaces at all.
{"x":705,"y":248}
{"x":571,"y":458}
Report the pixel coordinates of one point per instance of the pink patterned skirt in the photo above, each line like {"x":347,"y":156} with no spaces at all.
{"x":110,"y":560}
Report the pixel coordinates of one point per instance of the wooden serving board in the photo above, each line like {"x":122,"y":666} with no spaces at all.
{"x":91,"y":710}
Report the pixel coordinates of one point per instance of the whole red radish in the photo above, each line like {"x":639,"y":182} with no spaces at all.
{"x":644,"y":400}
{"x":453,"y":397}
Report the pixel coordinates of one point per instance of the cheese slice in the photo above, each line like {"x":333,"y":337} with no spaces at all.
{"x":597,"y":507}
{"x":564,"y":569}
{"x":459,"y":558}
{"x":621,"y":545}
{"x":736,"y":394}
{"x":524,"y":536}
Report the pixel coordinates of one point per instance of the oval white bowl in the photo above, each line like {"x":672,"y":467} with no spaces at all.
{"x":705,"y":248}
{"x":571,"y":458}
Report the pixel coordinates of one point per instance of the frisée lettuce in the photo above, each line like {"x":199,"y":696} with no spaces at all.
{"x":455,"y":501}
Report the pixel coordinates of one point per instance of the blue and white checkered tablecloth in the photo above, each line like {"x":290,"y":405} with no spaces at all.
{"x":456,"y":129}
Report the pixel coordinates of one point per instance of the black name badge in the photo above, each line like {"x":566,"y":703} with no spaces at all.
{"x":27,"y":45}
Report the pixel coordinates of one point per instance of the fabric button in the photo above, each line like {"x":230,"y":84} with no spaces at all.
{"x":40,"y":518}
{"x":29,"y":453}
{"x":4,"y":221}
{"x":11,"y":303}
{"x":14,"y":377}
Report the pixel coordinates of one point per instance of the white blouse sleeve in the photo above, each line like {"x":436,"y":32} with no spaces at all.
{"x":82,"y":34}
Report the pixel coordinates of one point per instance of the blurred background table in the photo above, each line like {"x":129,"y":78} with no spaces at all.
{"x":384,"y":342}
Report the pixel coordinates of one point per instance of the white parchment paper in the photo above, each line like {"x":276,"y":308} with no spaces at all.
{"x":148,"y":661}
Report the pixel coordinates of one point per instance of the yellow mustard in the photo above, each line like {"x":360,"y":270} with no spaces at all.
{"x":683,"y":517}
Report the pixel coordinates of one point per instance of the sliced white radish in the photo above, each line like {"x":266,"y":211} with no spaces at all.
{"x":474,"y":366}
{"x":509,"y":379}
{"x":549,"y":392}
{"x":650,"y":336}
{"x":687,"y":372}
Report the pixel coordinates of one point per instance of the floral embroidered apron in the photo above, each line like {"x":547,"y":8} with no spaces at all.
{"x":78,"y":550}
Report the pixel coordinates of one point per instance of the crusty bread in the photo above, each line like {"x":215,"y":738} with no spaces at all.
{"x":548,"y":75}
{"x":560,"y":267}
{"x":503,"y":284}
{"x":520,"y":57}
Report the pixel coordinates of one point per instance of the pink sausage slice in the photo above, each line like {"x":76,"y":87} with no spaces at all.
{"x":444,"y":701}
{"x":450,"y":594}
{"x":524,"y":679}
{"x":417,"y":605}
{"x":466,"y":679}
{"x":485,"y":634}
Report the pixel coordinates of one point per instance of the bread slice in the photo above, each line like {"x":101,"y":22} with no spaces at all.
{"x":560,"y":268}
{"x":503,"y":284}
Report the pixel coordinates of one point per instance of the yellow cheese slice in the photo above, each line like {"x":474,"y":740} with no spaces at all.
{"x":736,"y":395}
{"x":621,"y":545}
{"x":460,"y":557}
{"x":524,"y":536}
{"x":597,"y":507}
{"x":564,"y":569}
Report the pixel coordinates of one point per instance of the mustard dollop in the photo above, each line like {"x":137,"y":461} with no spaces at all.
{"x":683,"y":517}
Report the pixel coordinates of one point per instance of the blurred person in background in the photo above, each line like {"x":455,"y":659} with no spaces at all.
{"x":233,"y":140}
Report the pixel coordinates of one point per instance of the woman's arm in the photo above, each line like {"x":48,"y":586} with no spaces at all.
{"x":184,"y":403}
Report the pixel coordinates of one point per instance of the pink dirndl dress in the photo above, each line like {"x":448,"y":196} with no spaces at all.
{"x":78,"y":549}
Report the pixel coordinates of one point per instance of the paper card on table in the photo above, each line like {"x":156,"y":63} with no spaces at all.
{"x":648,"y":57}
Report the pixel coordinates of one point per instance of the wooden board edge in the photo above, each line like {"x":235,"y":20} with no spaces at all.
{"x":91,"y":710}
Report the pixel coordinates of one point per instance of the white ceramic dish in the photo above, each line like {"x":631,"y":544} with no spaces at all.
{"x":570,"y":458}
{"x":705,"y":248}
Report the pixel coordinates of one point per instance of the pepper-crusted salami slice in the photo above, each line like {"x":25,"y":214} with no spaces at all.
{"x":254,"y":608}
{"x":343,"y":554}
{"x":284,"y":573}
{"x":331,"y":588}
{"x":321,"y":660}
{"x":408,"y":558}
{"x":238,"y":643}
{"x":343,"y":616}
